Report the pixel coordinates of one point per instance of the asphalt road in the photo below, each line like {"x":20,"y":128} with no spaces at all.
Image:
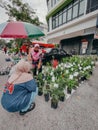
{"x":79,"y":112}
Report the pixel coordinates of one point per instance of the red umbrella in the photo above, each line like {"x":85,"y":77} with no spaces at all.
{"x":19,"y":30}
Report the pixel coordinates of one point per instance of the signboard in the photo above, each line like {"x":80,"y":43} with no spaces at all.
{"x":84,"y":46}
{"x":95,"y":36}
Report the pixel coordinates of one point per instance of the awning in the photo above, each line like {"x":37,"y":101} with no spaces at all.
{"x":42,"y":44}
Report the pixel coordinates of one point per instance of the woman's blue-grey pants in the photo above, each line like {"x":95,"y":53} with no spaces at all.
{"x":32,"y":99}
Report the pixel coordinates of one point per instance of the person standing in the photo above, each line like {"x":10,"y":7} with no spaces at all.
{"x":36,"y":56}
{"x":5,"y":49}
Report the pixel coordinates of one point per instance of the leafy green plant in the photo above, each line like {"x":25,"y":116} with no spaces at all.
{"x":54,"y":101}
{"x":61,"y":96}
{"x":71,"y":85}
{"x":40,"y":91}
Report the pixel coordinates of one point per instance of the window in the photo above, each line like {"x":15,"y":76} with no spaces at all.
{"x":64,"y":17}
{"x":48,"y":25}
{"x":69,"y":14}
{"x":82,"y":7}
{"x":53,"y":23}
{"x":60,"y":19}
{"x":75,"y":11}
{"x":54,"y":2}
{"x":56,"y":21}
{"x":92,"y":5}
{"x":51,"y":3}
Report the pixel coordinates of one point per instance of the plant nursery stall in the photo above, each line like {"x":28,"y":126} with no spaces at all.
{"x":57,"y":83}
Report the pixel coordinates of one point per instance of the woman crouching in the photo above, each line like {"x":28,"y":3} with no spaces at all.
{"x":20,"y":90}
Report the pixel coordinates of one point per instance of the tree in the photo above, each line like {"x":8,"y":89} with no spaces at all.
{"x":2,"y":43}
{"x":20,"y":11}
{"x":9,"y":44}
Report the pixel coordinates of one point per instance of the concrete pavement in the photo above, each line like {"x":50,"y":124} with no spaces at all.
{"x":79,"y":112}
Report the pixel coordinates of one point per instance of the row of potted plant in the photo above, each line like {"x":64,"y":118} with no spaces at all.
{"x":56,"y":83}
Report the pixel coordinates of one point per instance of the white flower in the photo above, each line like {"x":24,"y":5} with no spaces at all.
{"x":56,"y":85}
{"x":72,"y":69}
{"x":93,"y":67}
{"x":89,"y":67}
{"x":59,"y":65}
{"x":73,"y":63}
{"x":92,"y":62}
{"x":67,"y":71}
{"x":84,"y":69}
{"x":64,"y":91}
{"x":68,"y":65}
{"x":43,"y":67}
{"x":53,"y":69}
{"x":62,"y":68}
{"x":47,"y":69}
{"x":51,"y":73}
{"x":53,"y":79}
{"x":70,"y":76}
{"x":76,"y":74}
{"x":78,"y":65}
{"x":80,"y":68}
{"x":65,"y":65}
{"x":43,"y":71}
{"x":62,"y":64}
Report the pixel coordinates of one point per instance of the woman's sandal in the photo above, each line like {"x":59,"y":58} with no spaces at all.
{"x":32,"y":106}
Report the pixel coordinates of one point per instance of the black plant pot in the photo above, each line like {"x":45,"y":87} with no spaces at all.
{"x":62,"y":98}
{"x":69,"y":91}
{"x":46,"y":97}
{"x":54,"y":104}
{"x":42,"y":83}
{"x":90,"y":72}
{"x":83,"y":78}
{"x":40,"y":92}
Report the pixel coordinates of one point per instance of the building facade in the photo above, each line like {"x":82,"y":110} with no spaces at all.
{"x":43,"y":27}
{"x":73,"y":24}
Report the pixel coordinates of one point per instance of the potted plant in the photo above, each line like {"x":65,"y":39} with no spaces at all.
{"x":40,"y":78}
{"x":47,"y":86}
{"x":71,"y":85}
{"x":85,"y":76}
{"x":46,"y":95}
{"x":40,"y":91}
{"x":38,"y":83}
{"x":54,"y":101}
{"x":69,"y":89}
{"x":62,"y":96}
